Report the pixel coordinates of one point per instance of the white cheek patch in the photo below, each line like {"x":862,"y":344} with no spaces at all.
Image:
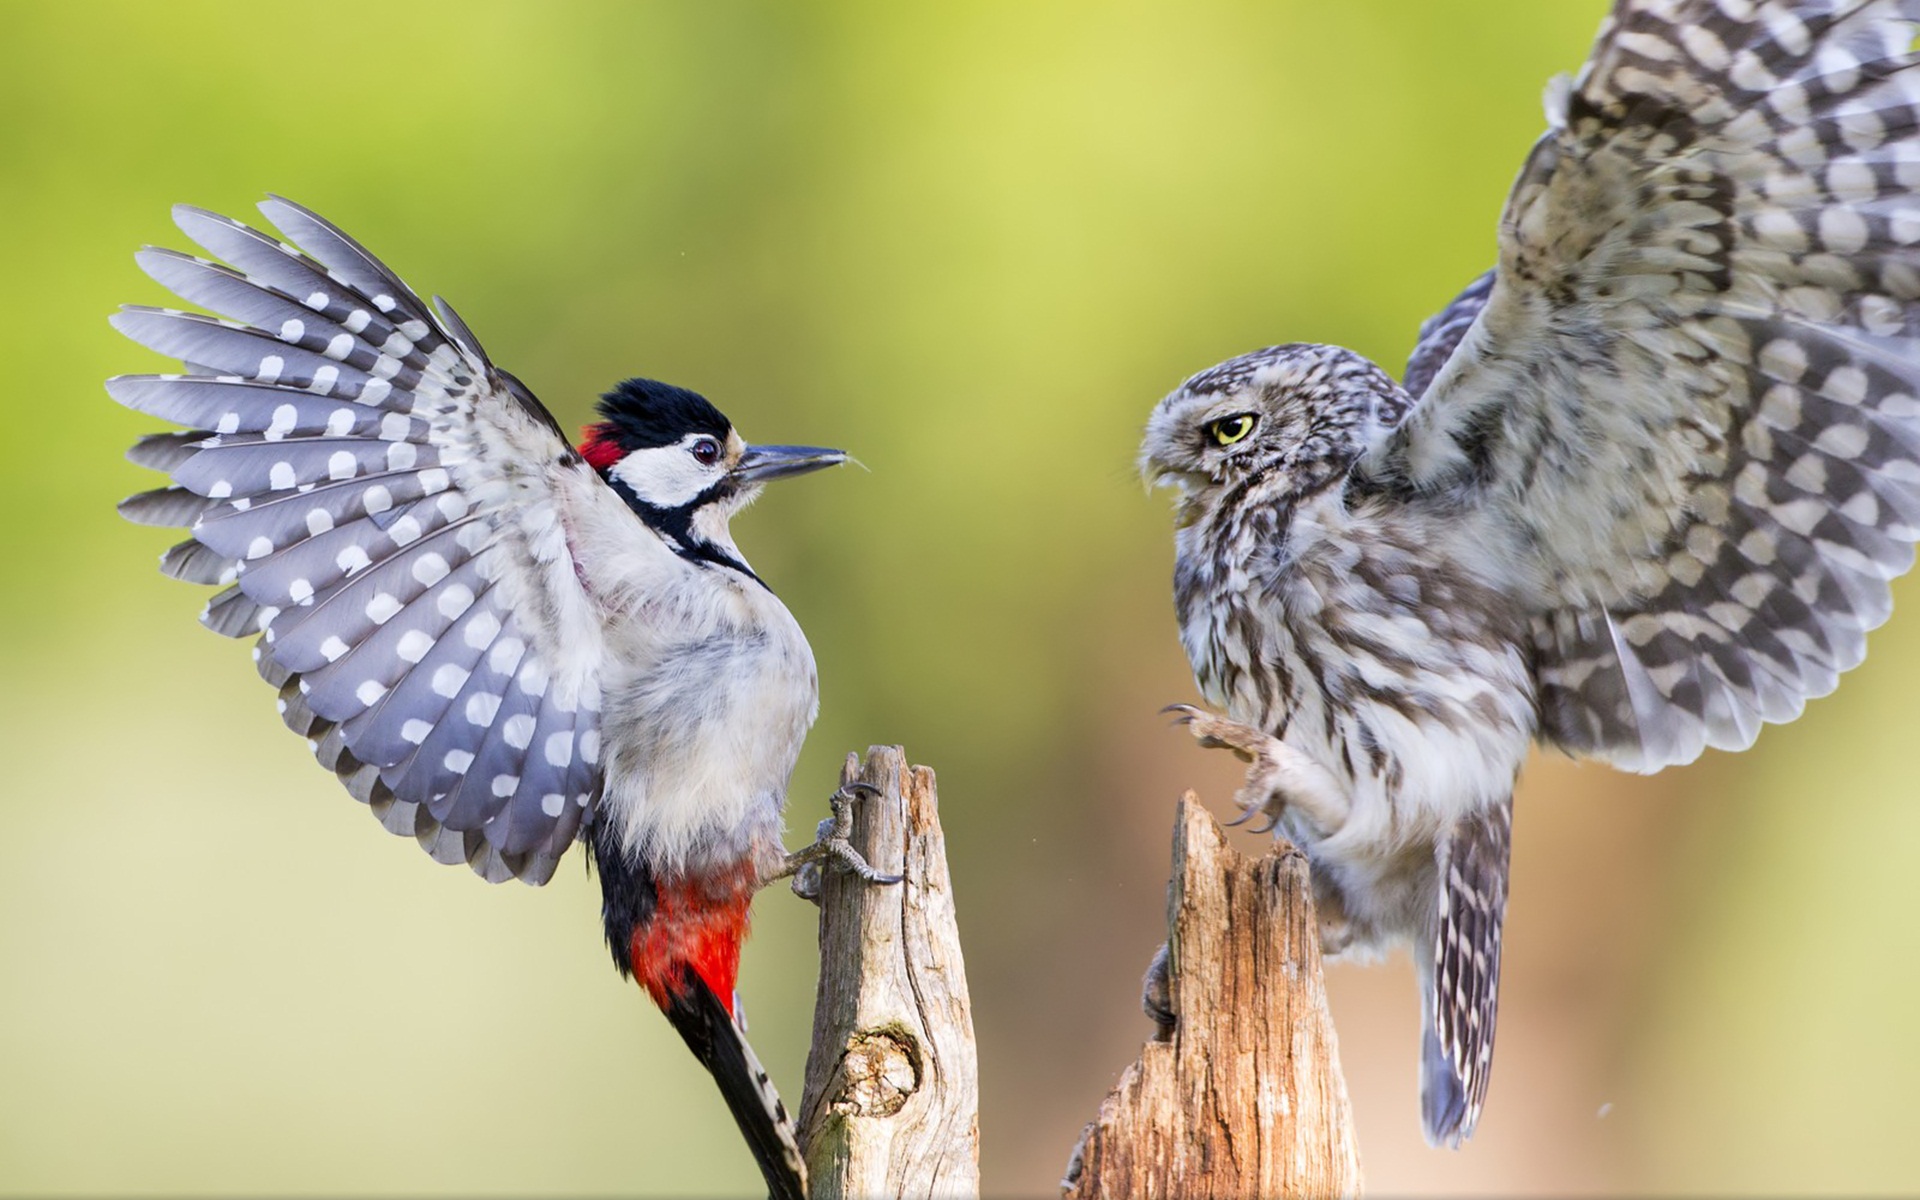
{"x":667,"y":476}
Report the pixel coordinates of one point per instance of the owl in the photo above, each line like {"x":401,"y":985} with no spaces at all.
{"x":1640,"y":492}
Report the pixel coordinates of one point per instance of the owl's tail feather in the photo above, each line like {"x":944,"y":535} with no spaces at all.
{"x":1460,"y":974}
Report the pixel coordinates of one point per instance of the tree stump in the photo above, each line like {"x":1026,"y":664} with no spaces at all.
{"x":1243,"y":1096}
{"x":891,"y":1106}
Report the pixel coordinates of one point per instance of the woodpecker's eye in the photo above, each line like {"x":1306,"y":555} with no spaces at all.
{"x":1228,"y":430}
{"x":706,"y":452}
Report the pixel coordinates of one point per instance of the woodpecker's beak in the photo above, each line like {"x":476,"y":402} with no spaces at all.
{"x":760,"y":463}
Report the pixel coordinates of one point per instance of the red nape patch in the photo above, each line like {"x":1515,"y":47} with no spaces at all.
{"x":698,"y":924}
{"x":597,"y":447}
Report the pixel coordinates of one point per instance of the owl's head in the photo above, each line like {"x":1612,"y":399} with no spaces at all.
{"x":1293,"y":418}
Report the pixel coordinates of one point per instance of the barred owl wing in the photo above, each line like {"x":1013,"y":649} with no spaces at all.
{"x":383,"y":507}
{"x":1687,"y":411}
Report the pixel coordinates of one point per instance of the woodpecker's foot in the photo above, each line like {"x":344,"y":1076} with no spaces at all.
{"x":1279,"y":777}
{"x":831,"y":846}
{"x":1156,"y":994}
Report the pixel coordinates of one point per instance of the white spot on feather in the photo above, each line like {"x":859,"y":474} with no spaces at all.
{"x":482,"y":707}
{"x":449,"y":679}
{"x":429,"y":568}
{"x":481,"y":631}
{"x":383,"y":608}
{"x":504,"y":659}
{"x":457,"y":599}
{"x":414,"y":644}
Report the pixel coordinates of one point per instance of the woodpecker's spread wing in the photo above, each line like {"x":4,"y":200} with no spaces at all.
{"x":383,"y":507}
{"x":1688,"y":408}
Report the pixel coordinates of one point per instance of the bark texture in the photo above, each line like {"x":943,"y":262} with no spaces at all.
{"x":1243,"y":1095}
{"x":891,"y":1107}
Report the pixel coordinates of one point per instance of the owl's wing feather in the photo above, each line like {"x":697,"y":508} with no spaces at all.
{"x":1440,"y":334}
{"x":1688,"y":413}
{"x":384,"y":509}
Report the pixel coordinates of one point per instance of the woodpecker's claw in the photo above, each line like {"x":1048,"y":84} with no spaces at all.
{"x":831,"y":845}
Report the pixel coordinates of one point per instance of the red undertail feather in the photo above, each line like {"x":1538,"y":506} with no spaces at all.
{"x":696,"y":927}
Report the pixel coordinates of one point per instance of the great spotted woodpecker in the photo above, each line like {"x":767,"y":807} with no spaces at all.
{"x":499,"y":642}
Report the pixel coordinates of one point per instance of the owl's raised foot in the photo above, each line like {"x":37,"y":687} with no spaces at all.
{"x":1279,"y":776}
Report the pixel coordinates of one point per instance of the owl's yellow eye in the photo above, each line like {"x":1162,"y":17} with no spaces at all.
{"x":1228,"y":430}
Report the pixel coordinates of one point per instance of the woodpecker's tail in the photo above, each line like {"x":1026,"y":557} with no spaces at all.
{"x":680,"y":940}
{"x":717,"y":1040}
{"x":1460,"y":981}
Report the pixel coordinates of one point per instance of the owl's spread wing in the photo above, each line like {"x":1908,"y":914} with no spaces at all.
{"x":1441,"y":334}
{"x":1689,"y":410}
{"x":382,"y":507}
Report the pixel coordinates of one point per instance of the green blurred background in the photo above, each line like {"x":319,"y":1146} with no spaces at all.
{"x":973,"y":244}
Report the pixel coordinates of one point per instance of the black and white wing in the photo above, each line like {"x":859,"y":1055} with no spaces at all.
{"x":1689,"y":411}
{"x":381,"y":506}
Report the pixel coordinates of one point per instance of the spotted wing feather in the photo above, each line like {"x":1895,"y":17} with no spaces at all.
{"x":1688,"y":416}
{"x":369,"y":490}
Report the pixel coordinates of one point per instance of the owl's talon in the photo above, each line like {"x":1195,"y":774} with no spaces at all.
{"x":1279,"y":777}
